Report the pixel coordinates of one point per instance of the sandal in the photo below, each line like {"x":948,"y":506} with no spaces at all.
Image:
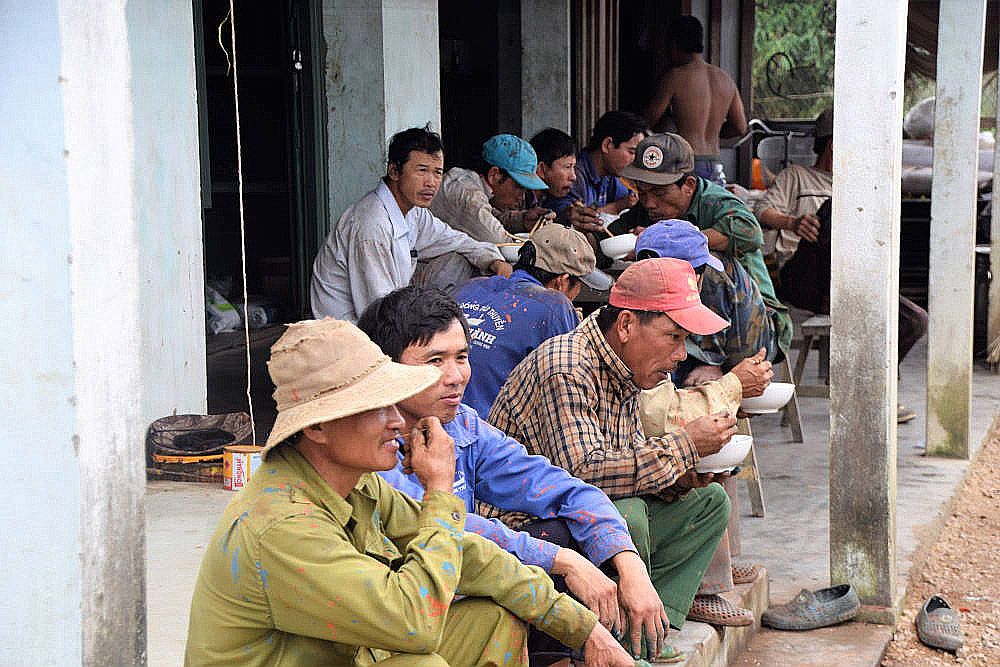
{"x":745,"y":572}
{"x":717,"y":610}
{"x":938,"y":625}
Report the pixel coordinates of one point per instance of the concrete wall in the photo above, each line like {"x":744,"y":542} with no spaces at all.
{"x":383,"y":75}
{"x":102,"y":298}
{"x":167,"y":192}
{"x":40,"y":597}
{"x":412,"y":64}
{"x":545,"y":65}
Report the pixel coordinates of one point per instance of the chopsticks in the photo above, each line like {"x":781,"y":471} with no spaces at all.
{"x":579,"y":204}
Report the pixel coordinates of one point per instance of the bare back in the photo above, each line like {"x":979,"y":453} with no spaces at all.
{"x":701,"y":98}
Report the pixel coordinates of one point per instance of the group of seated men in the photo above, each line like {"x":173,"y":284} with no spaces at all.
{"x":536,"y":497}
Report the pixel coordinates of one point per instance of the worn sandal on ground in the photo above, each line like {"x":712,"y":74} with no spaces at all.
{"x":745,"y":572}
{"x":717,"y":610}
{"x":809,"y":610}
{"x":938,"y":625}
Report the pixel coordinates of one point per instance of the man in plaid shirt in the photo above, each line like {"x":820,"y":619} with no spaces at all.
{"x":575,"y":399}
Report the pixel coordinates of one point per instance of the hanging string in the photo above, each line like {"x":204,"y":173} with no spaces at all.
{"x":231,"y":17}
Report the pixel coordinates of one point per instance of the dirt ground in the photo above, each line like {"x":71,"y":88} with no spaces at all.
{"x":963,"y":566}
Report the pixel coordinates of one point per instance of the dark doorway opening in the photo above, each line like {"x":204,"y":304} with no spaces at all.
{"x":480,"y":74}
{"x":282,"y":139}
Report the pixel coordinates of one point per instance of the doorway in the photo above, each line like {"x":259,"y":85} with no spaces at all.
{"x":282,"y":135}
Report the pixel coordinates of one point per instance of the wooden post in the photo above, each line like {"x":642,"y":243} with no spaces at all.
{"x":867,"y":151}
{"x":951,"y":277}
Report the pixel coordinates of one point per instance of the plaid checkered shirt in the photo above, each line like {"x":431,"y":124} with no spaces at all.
{"x":573,"y":400}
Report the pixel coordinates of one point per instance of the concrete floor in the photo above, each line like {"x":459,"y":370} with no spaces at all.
{"x":792,"y":541}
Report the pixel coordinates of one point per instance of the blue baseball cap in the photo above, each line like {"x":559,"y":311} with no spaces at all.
{"x":678,"y":239}
{"x":515,"y":156}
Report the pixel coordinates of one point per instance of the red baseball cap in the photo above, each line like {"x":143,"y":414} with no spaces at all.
{"x":666,"y":285}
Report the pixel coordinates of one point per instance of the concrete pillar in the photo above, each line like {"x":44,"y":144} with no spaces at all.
{"x":546,"y":40}
{"x":993,"y":322}
{"x":383,"y":75}
{"x":99,"y":185}
{"x":864,"y":298}
{"x":951,"y":278}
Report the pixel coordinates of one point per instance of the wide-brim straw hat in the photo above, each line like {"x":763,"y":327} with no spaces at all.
{"x":329,"y":369}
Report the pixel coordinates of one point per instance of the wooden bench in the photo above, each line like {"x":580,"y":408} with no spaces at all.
{"x":814,"y":330}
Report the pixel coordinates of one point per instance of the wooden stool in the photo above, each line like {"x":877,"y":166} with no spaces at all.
{"x":749,"y":471}
{"x":815,"y":329}
{"x":790,"y":413}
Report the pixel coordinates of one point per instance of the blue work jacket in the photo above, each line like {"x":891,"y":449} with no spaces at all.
{"x":498,"y":470}
{"x":508,"y":318}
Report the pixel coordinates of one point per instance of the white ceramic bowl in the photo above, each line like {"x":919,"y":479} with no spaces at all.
{"x":730,"y":456}
{"x":510,"y":252}
{"x":772,"y":400}
{"x":616,"y":247}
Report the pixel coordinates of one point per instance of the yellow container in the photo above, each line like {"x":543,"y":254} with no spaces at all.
{"x":238,"y":463}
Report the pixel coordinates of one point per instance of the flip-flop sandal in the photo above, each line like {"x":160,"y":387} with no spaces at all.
{"x":745,"y":572}
{"x":717,"y":610}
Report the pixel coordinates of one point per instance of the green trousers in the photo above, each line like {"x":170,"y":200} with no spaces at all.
{"x":676,"y":540}
{"x":477,"y":632}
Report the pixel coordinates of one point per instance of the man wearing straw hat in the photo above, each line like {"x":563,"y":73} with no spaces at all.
{"x":318,"y":561}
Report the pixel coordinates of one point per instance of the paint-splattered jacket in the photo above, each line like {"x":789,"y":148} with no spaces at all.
{"x":508,"y":318}
{"x":492,"y":468}
{"x":298,"y":575}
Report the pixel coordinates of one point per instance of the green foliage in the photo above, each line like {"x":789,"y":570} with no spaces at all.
{"x":793,"y":58}
{"x":793,"y":62}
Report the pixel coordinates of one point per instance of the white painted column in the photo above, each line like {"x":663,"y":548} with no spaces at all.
{"x":41,"y":590}
{"x":103,"y":308}
{"x":546,"y":40}
{"x":864,"y":303}
{"x":993,"y":321}
{"x":383,"y":75}
{"x":951,"y":279}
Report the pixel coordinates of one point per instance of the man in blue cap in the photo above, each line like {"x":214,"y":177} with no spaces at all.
{"x":726,"y":288}
{"x":486,"y":203}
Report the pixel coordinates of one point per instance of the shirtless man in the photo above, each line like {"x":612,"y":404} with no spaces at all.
{"x":703,"y":100}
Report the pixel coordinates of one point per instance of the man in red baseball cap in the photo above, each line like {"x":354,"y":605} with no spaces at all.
{"x":575,"y":399}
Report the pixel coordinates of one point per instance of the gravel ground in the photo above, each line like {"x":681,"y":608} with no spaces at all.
{"x":963,"y":566}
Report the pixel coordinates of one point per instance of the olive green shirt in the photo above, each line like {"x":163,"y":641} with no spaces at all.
{"x":296,"y":574}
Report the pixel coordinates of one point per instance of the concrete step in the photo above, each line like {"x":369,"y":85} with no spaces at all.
{"x":707,"y":646}
{"x":845,"y":645}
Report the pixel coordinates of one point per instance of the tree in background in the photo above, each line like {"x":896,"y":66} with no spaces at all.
{"x":793,"y":58}
{"x":793,"y":63}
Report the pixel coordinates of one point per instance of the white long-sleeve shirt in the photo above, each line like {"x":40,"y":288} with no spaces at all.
{"x":373,"y":249}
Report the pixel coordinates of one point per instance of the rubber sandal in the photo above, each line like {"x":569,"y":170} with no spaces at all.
{"x":809,"y":610}
{"x":938,"y":625}
{"x":717,"y":610}
{"x":745,"y":572}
